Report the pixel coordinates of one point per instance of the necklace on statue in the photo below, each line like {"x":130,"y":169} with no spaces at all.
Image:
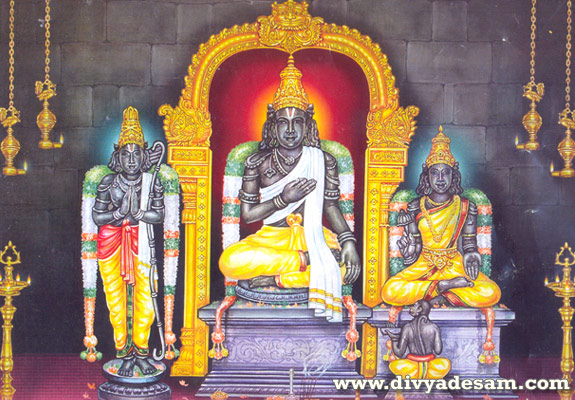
{"x":436,"y":234}
{"x":277,"y":162}
{"x":288,"y":160}
{"x":126,"y":183}
{"x":436,"y":203}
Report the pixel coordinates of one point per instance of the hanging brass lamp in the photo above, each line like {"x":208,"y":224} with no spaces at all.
{"x":10,"y":116}
{"x":534,"y":92}
{"x":567,"y":146}
{"x":45,"y":91}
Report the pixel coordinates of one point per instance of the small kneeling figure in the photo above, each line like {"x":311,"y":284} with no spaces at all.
{"x":423,"y":338}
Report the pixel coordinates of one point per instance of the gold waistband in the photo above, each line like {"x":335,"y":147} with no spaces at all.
{"x":441,"y":252}
{"x":439,"y":258}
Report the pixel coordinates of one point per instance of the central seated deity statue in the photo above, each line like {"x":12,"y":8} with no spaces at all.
{"x":439,"y":242}
{"x":290,"y":184}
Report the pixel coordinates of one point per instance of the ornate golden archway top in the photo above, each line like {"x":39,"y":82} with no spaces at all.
{"x":290,"y":28}
{"x":188,"y":129}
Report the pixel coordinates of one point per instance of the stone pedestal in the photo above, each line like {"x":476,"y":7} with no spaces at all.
{"x":137,"y":387}
{"x":463,"y":331}
{"x":265,"y":342}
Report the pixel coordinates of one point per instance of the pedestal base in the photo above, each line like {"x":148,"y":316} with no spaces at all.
{"x":463,"y":331}
{"x":265,"y":342}
{"x":137,"y":387}
{"x":115,"y":391}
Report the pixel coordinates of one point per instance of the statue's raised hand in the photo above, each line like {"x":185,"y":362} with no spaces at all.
{"x":471,"y":263}
{"x":126,"y":200}
{"x":406,"y":245}
{"x":350,"y":258}
{"x":298,"y":189}
{"x":134,"y":203}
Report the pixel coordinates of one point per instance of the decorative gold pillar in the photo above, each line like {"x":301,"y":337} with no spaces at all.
{"x":194,"y":168}
{"x":384,"y":172}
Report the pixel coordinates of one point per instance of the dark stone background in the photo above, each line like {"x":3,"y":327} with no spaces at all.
{"x":463,"y":63}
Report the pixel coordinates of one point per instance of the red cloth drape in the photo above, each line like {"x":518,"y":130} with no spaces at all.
{"x":110,"y":237}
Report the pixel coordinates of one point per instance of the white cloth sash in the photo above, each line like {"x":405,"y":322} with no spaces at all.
{"x":143,"y":243}
{"x":325,"y":275}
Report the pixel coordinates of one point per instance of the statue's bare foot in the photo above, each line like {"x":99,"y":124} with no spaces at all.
{"x":145,"y":366}
{"x":127,"y":367}
{"x":453,"y":283}
{"x":261,"y":281}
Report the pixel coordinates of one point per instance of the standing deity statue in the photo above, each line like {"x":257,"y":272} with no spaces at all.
{"x":123,"y":250}
{"x":439,"y":242}
{"x":290,"y":184}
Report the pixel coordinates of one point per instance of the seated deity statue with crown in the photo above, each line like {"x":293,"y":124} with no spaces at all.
{"x":290,"y":184}
{"x":439,"y":242}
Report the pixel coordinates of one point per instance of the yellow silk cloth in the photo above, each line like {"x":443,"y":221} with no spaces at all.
{"x":433,"y":369}
{"x":440,"y":260}
{"x":272,"y":251}
{"x":116,"y":290}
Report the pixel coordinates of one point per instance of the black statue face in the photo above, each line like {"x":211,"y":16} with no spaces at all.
{"x":290,"y":123}
{"x":421,"y":307}
{"x":440,"y":178}
{"x":131,"y":158}
{"x":415,"y":309}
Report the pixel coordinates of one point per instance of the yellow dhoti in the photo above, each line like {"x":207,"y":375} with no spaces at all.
{"x":130,"y":304}
{"x":272,"y":251}
{"x":425,"y":367}
{"x":440,"y":260}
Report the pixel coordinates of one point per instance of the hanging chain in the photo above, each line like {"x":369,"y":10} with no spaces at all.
{"x":11,"y":58}
{"x":568,"y":59}
{"x":533,"y":21}
{"x":47,"y":25}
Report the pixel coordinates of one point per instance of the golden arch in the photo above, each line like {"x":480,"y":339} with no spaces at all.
{"x":188,"y":129}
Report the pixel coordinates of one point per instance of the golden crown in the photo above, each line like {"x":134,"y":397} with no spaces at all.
{"x":131,"y":131}
{"x":290,"y":93}
{"x":440,"y":152}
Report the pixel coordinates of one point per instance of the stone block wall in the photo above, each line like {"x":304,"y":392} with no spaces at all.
{"x":462,"y":62}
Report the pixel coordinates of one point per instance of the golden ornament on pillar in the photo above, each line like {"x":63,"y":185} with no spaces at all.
{"x":9,"y":287}
{"x":565,"y":289}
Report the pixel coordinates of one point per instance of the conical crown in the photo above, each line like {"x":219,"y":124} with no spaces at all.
{"x":291,"y":93}
{"x":131,"y":131}
{"x":440,"y":151}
